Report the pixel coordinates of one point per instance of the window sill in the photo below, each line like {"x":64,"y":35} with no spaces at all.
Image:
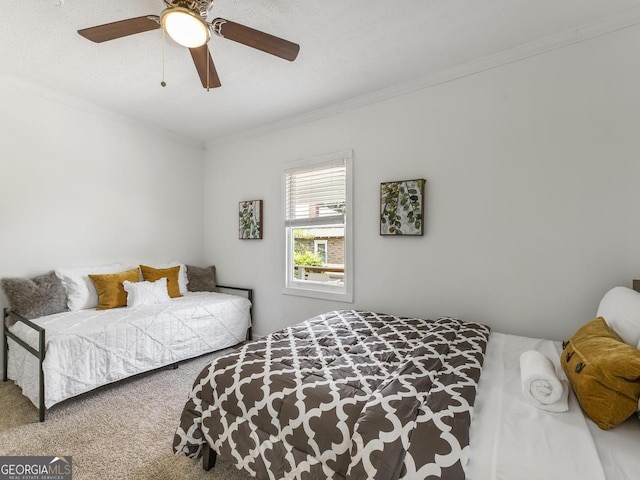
{"x":320,"y":294}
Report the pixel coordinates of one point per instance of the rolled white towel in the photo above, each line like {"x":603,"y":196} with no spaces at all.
{"x":540,"y":384}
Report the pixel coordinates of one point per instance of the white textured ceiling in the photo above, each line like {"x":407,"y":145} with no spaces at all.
{"x":349,"y":48}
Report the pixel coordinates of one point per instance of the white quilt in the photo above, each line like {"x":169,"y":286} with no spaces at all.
{"x":90,"y":348}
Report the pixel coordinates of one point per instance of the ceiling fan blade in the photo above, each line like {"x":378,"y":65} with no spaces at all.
{"x":122,"y":28}
{"x":202,"y":58}
{"x":256,"y":39}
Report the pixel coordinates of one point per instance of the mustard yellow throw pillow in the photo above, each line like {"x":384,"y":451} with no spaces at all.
{"x":604,"y":373}
{"x":151,"y":274}
{"x":111,"y":293}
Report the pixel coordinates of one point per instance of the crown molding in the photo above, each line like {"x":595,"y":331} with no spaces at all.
{"x":624,"y":19}
{"x":87,"y":107}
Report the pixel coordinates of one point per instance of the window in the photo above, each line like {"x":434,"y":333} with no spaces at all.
{"x":320,"y":249}
{"x":317,"y":227}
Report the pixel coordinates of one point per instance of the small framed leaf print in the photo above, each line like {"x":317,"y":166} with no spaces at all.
{"x":250,"y":213}
{"x":402,"y":207}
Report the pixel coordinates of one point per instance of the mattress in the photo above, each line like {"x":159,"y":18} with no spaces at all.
{"x":89,"y":348}
{"x":511,"y":439}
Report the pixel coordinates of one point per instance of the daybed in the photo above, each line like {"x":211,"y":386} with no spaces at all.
{"x":359,"y":395}
{"x":61,"y":355}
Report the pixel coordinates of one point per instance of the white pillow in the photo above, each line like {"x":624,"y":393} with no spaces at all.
{"x":146,"y":293}
{"x":620,"y":308}
{"x":182,"y":274}
{"x":81,"y":294}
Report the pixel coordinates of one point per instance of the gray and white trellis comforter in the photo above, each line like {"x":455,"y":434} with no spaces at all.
{"x":344,"y":395}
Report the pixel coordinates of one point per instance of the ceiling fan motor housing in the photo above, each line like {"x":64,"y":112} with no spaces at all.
{"x":200,"y":7}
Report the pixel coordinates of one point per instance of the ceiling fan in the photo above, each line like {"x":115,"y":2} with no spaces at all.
{"x":185,"y":21}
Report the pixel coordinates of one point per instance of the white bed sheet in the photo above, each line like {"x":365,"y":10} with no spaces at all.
{"x":511,"y":439}
{"x":89,"y":348}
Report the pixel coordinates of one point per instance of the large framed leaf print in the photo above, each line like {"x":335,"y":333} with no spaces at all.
{"x":250,"y":213}
{"x":402,"y":207}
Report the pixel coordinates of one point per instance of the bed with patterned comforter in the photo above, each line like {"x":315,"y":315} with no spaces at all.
{"x":344,"y":395}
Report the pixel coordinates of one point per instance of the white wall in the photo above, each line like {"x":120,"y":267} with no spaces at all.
{"x":78,"y":188}
{"x":532,"y":175}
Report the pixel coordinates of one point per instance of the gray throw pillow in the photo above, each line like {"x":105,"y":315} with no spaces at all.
{"x":35,"y":297}
{"x":201,"y":279}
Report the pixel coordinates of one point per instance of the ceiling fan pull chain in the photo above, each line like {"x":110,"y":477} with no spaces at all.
{"x":208,"y":62}
{"x":163,"y":83}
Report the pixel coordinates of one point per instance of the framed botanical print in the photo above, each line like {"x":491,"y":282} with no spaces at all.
{"x":250,"y":213}
{"x":402,"y":207}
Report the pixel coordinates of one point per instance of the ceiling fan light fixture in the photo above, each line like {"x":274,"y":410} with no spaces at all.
{"x":185,"y":27}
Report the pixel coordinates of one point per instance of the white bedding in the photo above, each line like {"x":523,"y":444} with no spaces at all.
{"x":511,"y":439}
{"x":90,"y":348}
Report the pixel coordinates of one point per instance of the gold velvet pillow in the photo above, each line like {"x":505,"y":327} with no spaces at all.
{"x":151,"y":274}
{"x":111,"y":293}
{"x":604,"y":373}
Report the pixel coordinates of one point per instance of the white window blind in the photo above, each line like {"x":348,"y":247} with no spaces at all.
{"x":316,"y":195}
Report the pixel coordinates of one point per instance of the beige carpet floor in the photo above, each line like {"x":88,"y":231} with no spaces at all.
{"x":121,"y":431}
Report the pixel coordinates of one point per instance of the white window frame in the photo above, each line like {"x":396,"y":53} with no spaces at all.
{"x":293,"y":286}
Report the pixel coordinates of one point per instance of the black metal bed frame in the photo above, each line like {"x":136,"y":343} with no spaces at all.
{"x":249,"y":292}
{"x":40,"y":352}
